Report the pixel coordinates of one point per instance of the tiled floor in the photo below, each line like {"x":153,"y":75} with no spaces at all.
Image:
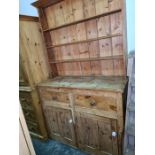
{"x":51,"y":147}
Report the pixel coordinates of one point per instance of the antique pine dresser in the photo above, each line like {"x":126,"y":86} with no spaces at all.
{"x":83,"y":101}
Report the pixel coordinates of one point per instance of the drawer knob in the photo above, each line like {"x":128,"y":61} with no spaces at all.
{"x":114,"y":134}
{"x":93,"y":103}
{"x":70,"y":121}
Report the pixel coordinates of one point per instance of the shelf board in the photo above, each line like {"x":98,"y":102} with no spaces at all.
{"x":84,"y":41}
{"x":82,"y":20}
{"x":87,"y":59}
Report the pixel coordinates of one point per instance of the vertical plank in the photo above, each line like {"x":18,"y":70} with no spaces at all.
{"x":91,"y":27}
{"x":49,"y":11}
{"x":57,"y":53}
{"x":114,"y":139}
{"x":105,"y":47}
{"x":107,"y":67}
{"x":67,"y":52}
{"x":105,"y":140}
{"x":102,"y":6}
{"x":117,"y":45}
{"x":116,"y":23}
{"x":32,"y":52}
{"x":79,"y":130}
{"x":60,"y":69}
{"x":103,"y":26}
{"x":59,"y":15}
{"x":114,"y":5}
{"x":76,"y":68}
{"x":93,"y":48}
{"x":77,"y":9}
{"x":47,"y":38}
{"x":68,"y":69}
{"x":86,"y":68}
{"x":63,"y":35}
{"x":120,"y":121}
{"x":119,"y":67}
{"x":51,"y":54}
{"x":81,"y":31}
{"x":63,"y":118}
{"x":64,"y":52}
{"x":42,"y":18}
{"x":72,"y":35}
{"x":55,"y":36}
{"x":83,"y":50}
{"x":74,"y":51}
{"x":95,"y":67}
{"x":89,"y":8}
{"x":54,"y":70}
{"x":68,"y":11}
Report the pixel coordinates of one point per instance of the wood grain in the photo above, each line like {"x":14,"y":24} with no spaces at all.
{"x":89,"y":8}
{"x":103,"y":26}
{"x":107,"y":67}
{"x":78,"y":9}
{"x":102,"y":6}
{"x":68,"y":11}
{"x":116,"y":23}
{"x":105,"y":47}
{"x":91,"y":27}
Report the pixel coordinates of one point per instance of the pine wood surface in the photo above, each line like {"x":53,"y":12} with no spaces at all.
{"x":79,"y":29}
{"x":34,"y":69}
{"x":96,"y":83}
{"x":86,"y":47}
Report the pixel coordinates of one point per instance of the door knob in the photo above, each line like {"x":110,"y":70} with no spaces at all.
{"x":114,"y":134}
{"x":70,"y":121}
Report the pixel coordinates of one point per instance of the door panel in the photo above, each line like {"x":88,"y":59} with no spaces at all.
{"x":60,"y":124}
{"x":94,"y":134}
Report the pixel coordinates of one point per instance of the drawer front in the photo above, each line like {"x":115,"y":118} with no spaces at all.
{"x":106,"y":103}
{"x":49,"y":95}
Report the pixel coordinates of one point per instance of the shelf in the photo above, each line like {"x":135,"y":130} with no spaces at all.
{"x":84,"y":41}
{"x":88,"y":59}
{"x":82,"y":20}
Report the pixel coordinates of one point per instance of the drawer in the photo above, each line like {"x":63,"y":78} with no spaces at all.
{"x":48,"y":95}
{"x":106,"y":103}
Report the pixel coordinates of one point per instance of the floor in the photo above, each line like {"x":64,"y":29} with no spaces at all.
{"x":51,"y":147}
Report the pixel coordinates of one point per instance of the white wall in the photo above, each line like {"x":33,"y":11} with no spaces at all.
{"x":25,"y":8}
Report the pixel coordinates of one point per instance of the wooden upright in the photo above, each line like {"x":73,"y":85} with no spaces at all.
{"x":86,"y":46}
{"x":33,"y":69}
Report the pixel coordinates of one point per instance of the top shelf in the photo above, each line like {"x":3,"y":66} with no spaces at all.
{"x":82,"y":20}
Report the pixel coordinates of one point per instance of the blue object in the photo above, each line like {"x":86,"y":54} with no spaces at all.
{"x":51,"y":147}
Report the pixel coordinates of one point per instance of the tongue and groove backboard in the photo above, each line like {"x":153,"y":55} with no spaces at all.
{"x":84,"y":37}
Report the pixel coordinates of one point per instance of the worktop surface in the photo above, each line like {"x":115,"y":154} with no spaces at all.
{"x":95,"y":83}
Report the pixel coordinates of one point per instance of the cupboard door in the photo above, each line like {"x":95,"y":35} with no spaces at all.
{"x":96,"y":134}
{"x":60,"y":125}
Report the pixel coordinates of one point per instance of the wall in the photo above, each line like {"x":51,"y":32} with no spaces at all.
{"x":25,"y":8}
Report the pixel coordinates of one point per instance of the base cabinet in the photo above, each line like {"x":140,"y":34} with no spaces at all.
{"x":91,"y":120}
{"x":96,"y":134}
{"x":60,"y":124}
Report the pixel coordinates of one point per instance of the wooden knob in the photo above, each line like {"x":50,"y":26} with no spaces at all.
{"x":93,"y":103}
